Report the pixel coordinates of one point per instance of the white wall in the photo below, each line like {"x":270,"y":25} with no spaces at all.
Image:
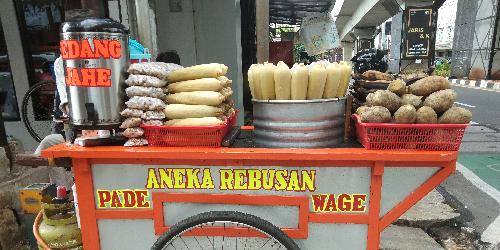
{"x":205,"y":32}
{"x":176,"y":30}
{"x":447,"y":15}
{"x":18,"y":69}
{"x":218,"y":39}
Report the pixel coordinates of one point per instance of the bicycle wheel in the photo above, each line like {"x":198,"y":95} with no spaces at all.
{"x":222,"y":230}
{"x":37,"y":109}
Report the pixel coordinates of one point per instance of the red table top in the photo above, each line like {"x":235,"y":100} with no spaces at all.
{"x":197,"y":153}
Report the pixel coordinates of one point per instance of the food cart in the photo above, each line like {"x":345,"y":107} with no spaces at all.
{"x":331,"y":198}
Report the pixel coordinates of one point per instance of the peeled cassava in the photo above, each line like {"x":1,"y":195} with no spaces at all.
{"x":333,"y":75}
{"x":282,"y":81}
{"x":267,"y":81}
{"x":203,"y":84}
{"x":300,"y":82}
{"x":211,"y":70}
{"x":210,"y":98}
{"x":182,"y":111}
{"x":256,"y":81}
{"x":346,"y":70}
{"x":204,"y":121}
{"x":317,"y":80}
{"x":250,"y":80}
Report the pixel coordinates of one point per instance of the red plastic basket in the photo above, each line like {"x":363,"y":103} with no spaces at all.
{"x":433,"y":137}
{"x":193,"y":136}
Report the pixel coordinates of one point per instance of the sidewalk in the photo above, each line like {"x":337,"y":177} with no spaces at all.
{"x":485,"y":84}
{"x":410,"y":230}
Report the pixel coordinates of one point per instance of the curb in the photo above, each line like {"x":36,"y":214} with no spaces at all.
{"x":478,"y":84}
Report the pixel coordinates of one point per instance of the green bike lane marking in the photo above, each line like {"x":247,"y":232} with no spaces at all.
{"x":485,"y":166}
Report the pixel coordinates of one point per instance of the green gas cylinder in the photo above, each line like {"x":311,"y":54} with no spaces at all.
{"x":59,"y":228}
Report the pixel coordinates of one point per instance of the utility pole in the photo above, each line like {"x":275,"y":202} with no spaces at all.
{"x":262,"y":30}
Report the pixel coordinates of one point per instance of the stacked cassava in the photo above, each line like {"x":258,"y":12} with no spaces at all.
{"x":320,"y":80}
{"x":428,"y":100}
{"x":146,"y":96}
{"x":368,"y":82}
{"x":198,"y":96}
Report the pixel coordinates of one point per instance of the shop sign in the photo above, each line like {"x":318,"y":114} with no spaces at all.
{"x":86,"y":57}
{"x":228,"y":179}
{"x":418,"y":31}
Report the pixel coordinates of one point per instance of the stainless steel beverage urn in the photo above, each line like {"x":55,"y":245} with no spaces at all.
{"x":95,"y":55}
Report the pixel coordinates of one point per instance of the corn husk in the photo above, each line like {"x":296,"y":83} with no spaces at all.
{"x":204,"y":121}
{"x":210,"y":98}
{"x":226,"y":82}
{"x":211,"y":70}
{"x":203,"y":84}
{"x":182,"y":111}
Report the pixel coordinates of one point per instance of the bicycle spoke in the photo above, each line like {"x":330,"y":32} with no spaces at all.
{"x":184,"y":242}
{"x":222,"y":231}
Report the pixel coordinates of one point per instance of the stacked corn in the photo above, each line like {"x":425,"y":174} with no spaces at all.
{"x":198,"y":96}
{"x":145,"y":102}
{"x":321,"y":80}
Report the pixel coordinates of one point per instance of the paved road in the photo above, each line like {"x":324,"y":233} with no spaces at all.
{"x":485,"y":105}
{"x":475,"y":189}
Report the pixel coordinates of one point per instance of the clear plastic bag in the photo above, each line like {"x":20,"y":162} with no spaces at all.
{"x":133,"y":132}
{"x":153,"y":122}
{"x":145,"y":103}
{"x":145,"y":91}
{"x":134,"y":142}
{"x":146,"y":81}
{"x":128,"y":112}
{"x":153,"y":115}
{"x":157,"y":69}
{"x":131,"y":122}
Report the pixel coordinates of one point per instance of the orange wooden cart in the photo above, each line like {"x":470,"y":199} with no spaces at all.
{"x":392,"y":182}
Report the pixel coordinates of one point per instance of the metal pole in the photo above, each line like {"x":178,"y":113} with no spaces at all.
{"x":262,"y":30}
{"x":493,"y":41}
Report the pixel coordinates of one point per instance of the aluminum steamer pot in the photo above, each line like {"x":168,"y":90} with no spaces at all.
{"x":299,"y":123}
{"x":95,"y":54}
